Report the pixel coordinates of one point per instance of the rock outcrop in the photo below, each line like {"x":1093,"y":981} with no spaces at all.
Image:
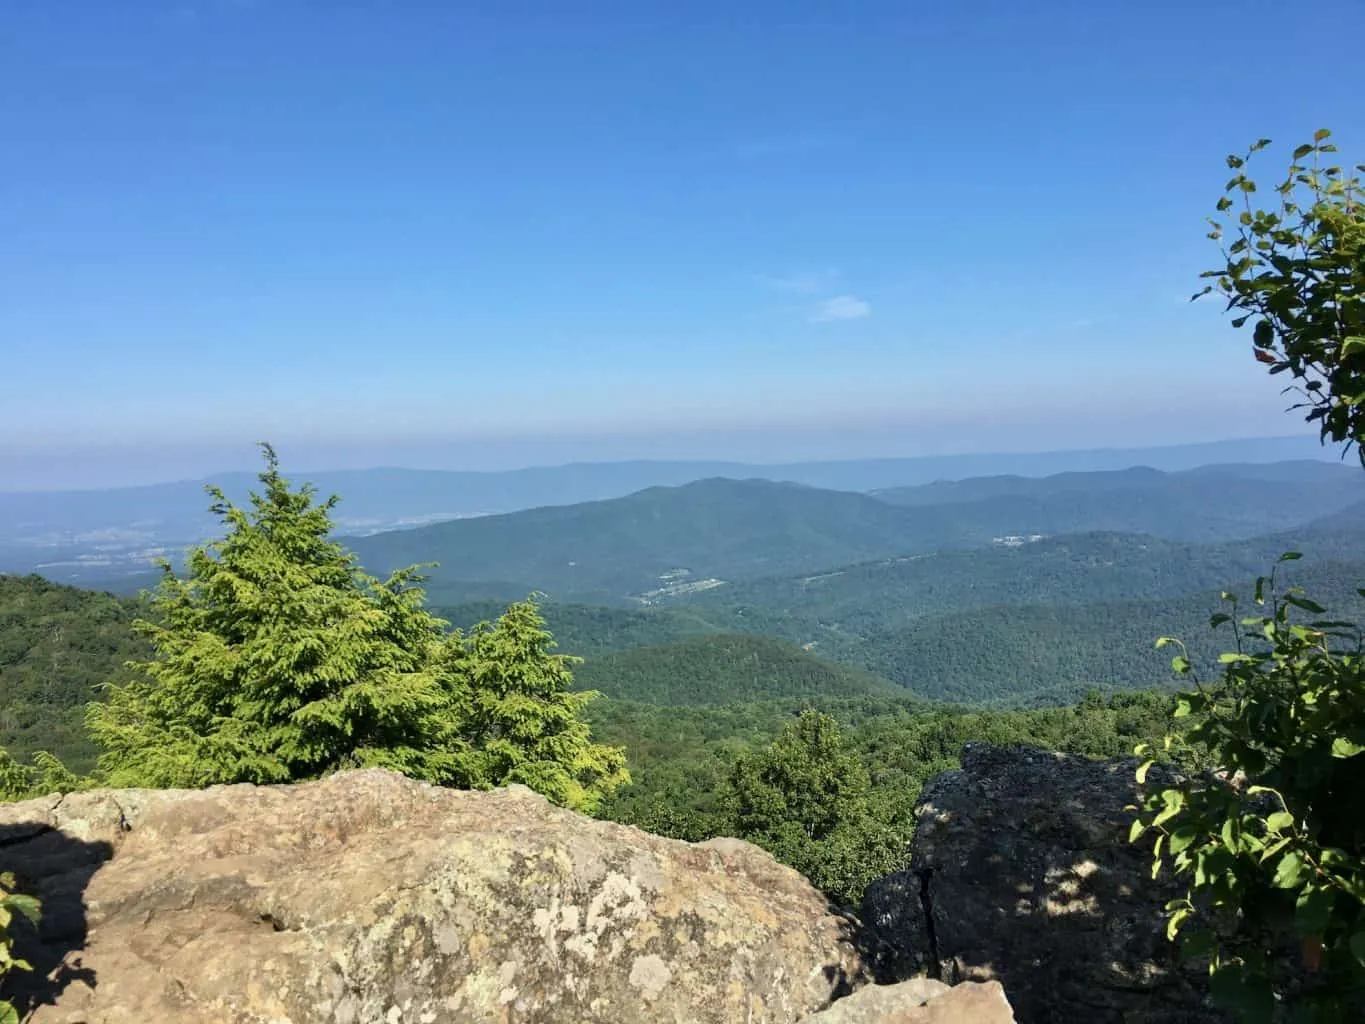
{"x":1021,"y":871}
{"x":921,"y":1001}
{"x":367,"y":897}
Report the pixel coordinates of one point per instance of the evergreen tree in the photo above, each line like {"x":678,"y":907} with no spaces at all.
{"x":276,"y":659}
{"x":524,"y":722}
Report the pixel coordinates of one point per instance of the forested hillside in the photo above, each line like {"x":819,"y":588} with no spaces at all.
{"x":681,"y":757}
{"x":57,"y":644}
{"x":1026,"y":623}
{"x":612,"y":550}
{"x":734,"y":531}
{"x":724,"y":669}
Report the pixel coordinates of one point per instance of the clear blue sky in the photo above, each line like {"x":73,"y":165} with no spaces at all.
{"x":512,"y":232}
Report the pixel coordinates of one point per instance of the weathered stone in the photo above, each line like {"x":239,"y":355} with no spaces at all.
{"x":1023,"y":863}
{"x":921,"y":1001}
{"x":367,"y":897}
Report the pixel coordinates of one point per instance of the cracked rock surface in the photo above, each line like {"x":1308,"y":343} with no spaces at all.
{"x":367,"y":897}
{"x":1021,"y":871}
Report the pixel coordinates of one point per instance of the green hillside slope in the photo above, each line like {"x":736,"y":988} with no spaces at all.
{"x":589,"y":630}
{"x":851,"y":601}
{"x":1040,"y":654}
{"x":724,"y":669}
{"x":665,"y":541}
{"x":57,"y":644}
{"x":609,"y":550}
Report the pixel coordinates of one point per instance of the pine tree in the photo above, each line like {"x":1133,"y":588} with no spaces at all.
{"x":277,"y":659}
{"x":525,"y":723}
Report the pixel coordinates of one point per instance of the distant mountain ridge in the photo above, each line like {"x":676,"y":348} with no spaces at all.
{"x":97,"y":536}
{"x":662,"y":543}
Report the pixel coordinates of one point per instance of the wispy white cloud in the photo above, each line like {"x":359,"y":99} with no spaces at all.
{"x":841,"y":307}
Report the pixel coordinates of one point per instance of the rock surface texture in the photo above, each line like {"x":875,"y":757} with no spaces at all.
{"x":921,"y":1001}
{"x":1022,"y":871}
{"x":366,"y":897}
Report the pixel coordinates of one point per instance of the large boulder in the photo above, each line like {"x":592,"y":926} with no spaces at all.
{"x":367,"y":897}
{"x":1021,"y":870}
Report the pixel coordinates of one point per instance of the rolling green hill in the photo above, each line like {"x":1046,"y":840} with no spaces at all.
{"x":1039,"y":654}
{"x":665,"y":541}
{"x":852,"y":601}
{"x":589,"y":630}
{"x":610,"y":550}
{"x":725,"y":669}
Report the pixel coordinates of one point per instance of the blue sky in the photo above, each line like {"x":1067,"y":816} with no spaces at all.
{"x":507,"y":233}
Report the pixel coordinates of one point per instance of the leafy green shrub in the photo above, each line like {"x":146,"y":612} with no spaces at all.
{"x":1271,"y":840}
{"x":806,"y":799}
{"x":1297,"y":273}
{"x":13,"y":904}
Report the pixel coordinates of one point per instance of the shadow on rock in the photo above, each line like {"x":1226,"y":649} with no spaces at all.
{"x":56,"y":869}
{"x":1021,"y":871}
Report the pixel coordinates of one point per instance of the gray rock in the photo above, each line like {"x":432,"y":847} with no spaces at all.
{"x":367,"y":897}
{"x":921,"y":1001}
{"x":1021,"y":870}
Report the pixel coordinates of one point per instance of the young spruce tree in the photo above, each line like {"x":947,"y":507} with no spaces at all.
{"x":278,"y":660}
{"x":524,"y":722}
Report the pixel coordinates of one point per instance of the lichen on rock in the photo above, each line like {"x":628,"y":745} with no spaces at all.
{"x":367,"y":897}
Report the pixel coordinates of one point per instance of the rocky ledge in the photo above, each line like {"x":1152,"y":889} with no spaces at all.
{"x":367,"y":897}
{"x":1022,"y":871}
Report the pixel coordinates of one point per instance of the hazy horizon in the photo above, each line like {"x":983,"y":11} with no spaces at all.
{"x":94,"y":471}
{"x":411,"y":232}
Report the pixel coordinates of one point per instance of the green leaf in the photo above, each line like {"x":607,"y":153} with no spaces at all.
{"x":1279,"y":821}
{"x":1290,"y":556}
{"x":1173,"y":922}
{"x":1313,"y":909}
{"x":1230,"y":835}
{"x":1358,"y":946}
{"x":1342,"y":747}
{"x":1197,"y":942}
{"x":1291,"y":871}
{"x":1352,"y":344}
{"x":1181,"y":838}
{"x":1320,"y":134}
{"x":1304,"y":603}
{"x":26,"y":905}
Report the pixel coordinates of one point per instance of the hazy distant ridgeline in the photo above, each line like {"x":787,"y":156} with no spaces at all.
{"x":732,"y":530}
{"x":102,"y":537}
